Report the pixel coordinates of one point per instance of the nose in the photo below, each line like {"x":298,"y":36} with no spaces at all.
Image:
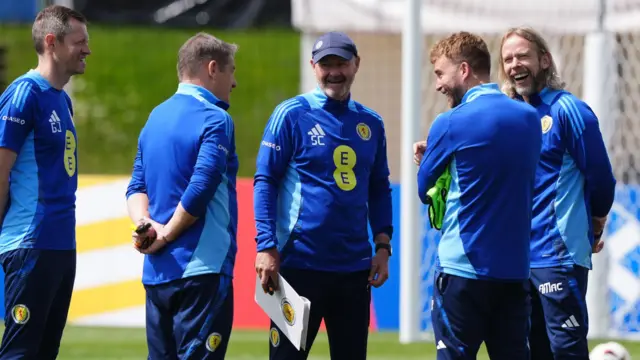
{"x":512,"y":64}
{"x":335,"y":71}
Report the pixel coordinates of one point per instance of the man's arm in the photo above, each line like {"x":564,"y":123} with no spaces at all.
{"x":586,"y":146}
{"x":17,"y":119}
{"x":137,"y":199}
{"x":380,"y":215}
{"x":211,"y":164}
{"x":436,"y":157}
{"x":272,"y":161}
{"x":7,"y":159}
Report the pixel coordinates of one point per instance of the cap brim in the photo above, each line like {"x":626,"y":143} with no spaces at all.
{"x":345,"y":54}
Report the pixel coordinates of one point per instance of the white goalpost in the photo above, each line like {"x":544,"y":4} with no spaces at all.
{"x":600,"y":93}
{"x":596,"y":43}
{"x":411,"y":254}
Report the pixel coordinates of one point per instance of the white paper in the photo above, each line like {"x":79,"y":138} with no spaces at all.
{"x":286,"y":300}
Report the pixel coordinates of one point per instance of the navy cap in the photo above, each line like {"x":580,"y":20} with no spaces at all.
{"x":334,"y":43}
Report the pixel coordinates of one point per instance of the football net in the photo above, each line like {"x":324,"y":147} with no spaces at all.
{"x":595,"y":43}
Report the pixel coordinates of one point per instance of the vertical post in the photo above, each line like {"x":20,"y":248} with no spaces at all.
{"x":410,"y":243}
{"x":307,"y":78}
{"x":600,"y":94}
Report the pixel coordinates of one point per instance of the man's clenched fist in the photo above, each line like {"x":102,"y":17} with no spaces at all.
{"x":418,"y":151}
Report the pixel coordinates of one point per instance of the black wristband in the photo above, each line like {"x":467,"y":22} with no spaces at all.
{"x":383,"y":246}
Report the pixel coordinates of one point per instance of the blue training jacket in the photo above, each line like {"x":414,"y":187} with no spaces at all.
{"x":187,"y":154}
{"x":574,"y":181}
{"x":491,"y":145}
{"x":321,"y":178}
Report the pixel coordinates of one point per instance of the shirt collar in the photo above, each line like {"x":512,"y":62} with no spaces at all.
{"x":538,"y":98}
{"x":42,"y":82}
{"x":201,"y":93}
{"x":328,"y":103}
{"x":479,"y":90}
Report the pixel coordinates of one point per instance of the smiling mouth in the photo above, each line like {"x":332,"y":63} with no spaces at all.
{"x":520,"y":77}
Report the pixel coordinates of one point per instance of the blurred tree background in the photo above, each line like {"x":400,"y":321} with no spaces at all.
{"x":132,"y":69}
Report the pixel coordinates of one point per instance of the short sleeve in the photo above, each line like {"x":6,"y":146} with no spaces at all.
{"x":17,"y":115}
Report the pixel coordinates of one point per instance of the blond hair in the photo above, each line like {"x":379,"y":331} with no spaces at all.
{"x":464,"y":47}
{"x":551,"y":76}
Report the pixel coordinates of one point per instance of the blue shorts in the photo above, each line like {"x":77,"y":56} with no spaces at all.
{"x":343,"y":300}
{"x":468,"y":312}
{"x":190,"y":318}
{"x":38,"y":287}
{"x":559,"y":321}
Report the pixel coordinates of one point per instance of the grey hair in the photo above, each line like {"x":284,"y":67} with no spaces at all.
{"x":552,"y":78}
{"x":54,"y":20}
{"x":201,"y":48}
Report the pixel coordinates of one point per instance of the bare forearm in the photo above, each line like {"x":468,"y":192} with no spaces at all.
{"x":138,"y":206}
{"x":180,"y":221}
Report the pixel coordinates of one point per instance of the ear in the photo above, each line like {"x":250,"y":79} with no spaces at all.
{"x":312,"y":64}
{"x":545,"y":61}
{"x":212,"y":68}
{"x":357,"y":63}
{"x":465,"y":70}
{"x":49,"y":40}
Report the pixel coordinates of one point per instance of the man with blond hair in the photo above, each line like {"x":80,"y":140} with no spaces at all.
{"x":491,"y":146}
{"x":188,"y":268}
{"x":38,"y":183}
{"x":573,"y":194}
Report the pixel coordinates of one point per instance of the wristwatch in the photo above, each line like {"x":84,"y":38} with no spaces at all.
{"x":383,"y":246}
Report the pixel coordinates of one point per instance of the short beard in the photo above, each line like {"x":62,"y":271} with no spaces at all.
{"x":457,"y":93}
{"x":536,"y":81}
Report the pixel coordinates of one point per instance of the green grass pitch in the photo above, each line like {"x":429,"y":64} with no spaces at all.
{"x":89,"y":343}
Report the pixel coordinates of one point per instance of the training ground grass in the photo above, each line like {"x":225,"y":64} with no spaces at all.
{"x":132,"y":69}
{"x":88,"y":343}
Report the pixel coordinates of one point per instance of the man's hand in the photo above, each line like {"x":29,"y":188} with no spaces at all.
{"x":418,"y":151}
{"x":379,"y":268}
{"x":157,"y":232}
{"x":380,"y":263}
{"x":598,"y":228}
{"x":268,"y":267}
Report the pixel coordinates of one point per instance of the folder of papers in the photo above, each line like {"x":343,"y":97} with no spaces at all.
{"x":288,"y":310}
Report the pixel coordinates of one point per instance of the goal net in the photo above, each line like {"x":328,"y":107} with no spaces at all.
{"x":596,"y":44}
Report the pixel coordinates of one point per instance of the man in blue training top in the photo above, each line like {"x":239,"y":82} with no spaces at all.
{"x":321,"y":177}
{"x":184,"y":176}
{"x":491,"y":146}
{"x":573,"y":195}
{"x":38,"y":183}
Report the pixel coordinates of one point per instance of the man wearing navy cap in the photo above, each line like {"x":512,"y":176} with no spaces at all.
{"x":321,"y":179}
